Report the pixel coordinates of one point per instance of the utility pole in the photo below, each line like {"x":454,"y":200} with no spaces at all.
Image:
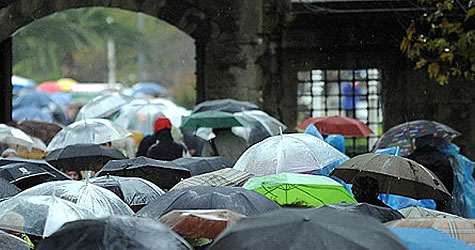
{"x":111,"y":60}
{"x":141,"y":56}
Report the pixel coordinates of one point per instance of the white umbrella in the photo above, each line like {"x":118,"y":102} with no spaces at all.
{"x":39,"y":215}
{"x":140,"y":115}
{"x":100,"y":201}
{"x":293,"y":153}
{"x":94,"y":131}
{"x":173,"y":112}
{"x":11,"y":135}
{"x":102,"y":105}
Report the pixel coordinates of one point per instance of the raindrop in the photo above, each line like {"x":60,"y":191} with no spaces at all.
{"x":425,"y":15}
{"x":446,"y":49}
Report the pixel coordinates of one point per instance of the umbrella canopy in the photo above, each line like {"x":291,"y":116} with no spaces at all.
{"x":404,"y":135}
{"x":25,"y":175}
{"x":58,"y":175}
{"x":294,"y":153}
{"x":149,"y":88}
{"x":236,"y":199}
{"x":421,"y":212}
{"x":462,"y":229}
{"x":307,"y":229}
{"x":213,"y":119}
{"x":140,"y":116}
{"x":337,"y":125}
{"x":302,"y":189}
{"x":40,"y":129}
{"x":41,"y":100}
{"x":173,"y":111}
{"x":19,"y":83}
{"x":201,"y":165}
{"x":264,"y":126}
{"x":195,"y":224}
{"x":31,"y":113}
{"x":223,"y":177}
{"x":227,"y":105}
{"x":102,"y":106}
{"x":395,"y":175}
{"x":113,"y":233}
{"x":427,"y":238}
{"x":382,"y":214}
{"x":100,"y":201}
{"x":49,"y":87}
{"x":39,"y":215}
{"x":66,"y":84}
{"x":95,"y":131}
{"x":7,"y":189}
{"x":11,"y":135}
{"x":164,"y":174}
{"x":84,"y":156}
{"x":132,"y":190}
{"x":11,"y":242}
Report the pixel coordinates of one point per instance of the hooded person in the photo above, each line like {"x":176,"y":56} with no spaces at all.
{"x":164,"y":147}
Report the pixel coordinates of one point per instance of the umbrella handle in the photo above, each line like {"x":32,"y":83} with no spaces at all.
{"x":387,"y":192}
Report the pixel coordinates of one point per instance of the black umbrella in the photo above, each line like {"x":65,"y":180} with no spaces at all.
{"x":24,"y":175}
{"x":84,"y":156}
{"x":7,"y":189}
{"x":11,"y":242}
{"x":110,"y":233}
{"x":307,"y":229}
{"x":201,"y":165}
{"x":236,"y":199}
{"x":226,"y":105}
{"x":58,"y":175}
{"x":383,"y":214}
{"x":132,"y":190}
{"x":164,"y":174}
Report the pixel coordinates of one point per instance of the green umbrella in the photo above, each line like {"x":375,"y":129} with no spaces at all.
{"x":213,"y":119}
{"x":300,"y":189}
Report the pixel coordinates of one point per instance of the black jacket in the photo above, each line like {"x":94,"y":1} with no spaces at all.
{"x":166,"y":149}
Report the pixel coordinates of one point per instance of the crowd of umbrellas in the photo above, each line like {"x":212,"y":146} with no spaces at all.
{"x":285,"y":191}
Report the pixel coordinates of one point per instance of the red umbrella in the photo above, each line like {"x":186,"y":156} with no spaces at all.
{"x":337,"y":125}
{"x":49,"y":87}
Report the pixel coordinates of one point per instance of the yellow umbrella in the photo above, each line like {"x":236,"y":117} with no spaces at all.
{"x":66,"y":84}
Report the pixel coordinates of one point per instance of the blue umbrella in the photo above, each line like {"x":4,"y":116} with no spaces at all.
{"x":19,"y":83}
{"x":33,"y":99}
{"x":31,"y":113}
{"x":62,"y":97}
{"x":428,"y":238}
{"x":149,"y":88}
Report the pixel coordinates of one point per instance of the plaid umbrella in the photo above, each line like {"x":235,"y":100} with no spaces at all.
{"x":223,"y":177}
{"x":421,"y":212}
{"x":404,"y":135}
{"x":462,"y":229}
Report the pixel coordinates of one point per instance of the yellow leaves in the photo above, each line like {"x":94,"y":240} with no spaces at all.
{"x":421,"y":63}
{"x":470,"y":13}
{"x":442,"y":79}
{"x":447,"y":56}
{"x":410,"y":31}
{"x":405,"y":44}
{"x":433,"y":70}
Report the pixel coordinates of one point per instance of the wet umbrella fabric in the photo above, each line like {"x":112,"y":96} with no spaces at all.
{"x":40,"y":129}
{"x":226,"y":105}
{"x":395,"y":175}
{"x":24,"y":175}
{"x":382,"y":214}
{"x":41,"y":215}
{"x":340,"y":125}
{"x":224,"y":177}
{"x":462,"y":229}
{"x":264,"y":126}
{"x":82,"y":156}
{"x":304,"y":189}
{"x":295,"y":153}
{"x":201,"y":165}
{"x":100,"y":201}
{"x":164,"y":174}
{"x":420,"y":212}
{"x":58,"y":175}
{"x":31,"y":113}
{"x":7,"y":189}
{"x":236,"y":199}
{"x":404,"y":135}
{"x":149,"y":88}
{"x":195,"y":224}
{"x":11,"y":242}
{"x":111,"y":233}
{"x":140,"y":116}
{"x":307,"y":229}
{"x":213,"y":119}
{"x":132,"y":190}
{"x":40,"y":100}
{"x":102,"y":105}
{"x":427,"y":238}
{"x":95,"y":131}
{"x":11,"y":135}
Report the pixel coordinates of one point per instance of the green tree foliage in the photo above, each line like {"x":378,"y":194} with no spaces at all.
{"x":442,"y":39}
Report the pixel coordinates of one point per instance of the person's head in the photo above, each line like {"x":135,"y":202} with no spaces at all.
{"x":75,"y":175}
{"x":107,"y":144}
{"x":9,"y":152}
{"x":365,"y":188}
{"x":13,"y":223}
{"x":162,"y":123}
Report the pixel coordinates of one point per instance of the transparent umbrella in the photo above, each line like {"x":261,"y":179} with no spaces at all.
{"x":100,"y":201}
{"x":102,"y":106}
{"x":173,"y":111}
{"x":95,"y":131}
{"x":264,"y":126}
{"x":39,"y":215}
{"x":11,"y":135}
{"x":140,"y":116}
{"x":294,"y":153}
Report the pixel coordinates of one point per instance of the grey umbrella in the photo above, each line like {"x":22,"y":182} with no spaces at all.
{"x":395,"y":175}
{"x":382,"y":214}
{"x":307,"y":229}
{"x":7,"y":189}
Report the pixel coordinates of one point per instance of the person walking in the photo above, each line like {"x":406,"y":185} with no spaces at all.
{"x":164,"y":147}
